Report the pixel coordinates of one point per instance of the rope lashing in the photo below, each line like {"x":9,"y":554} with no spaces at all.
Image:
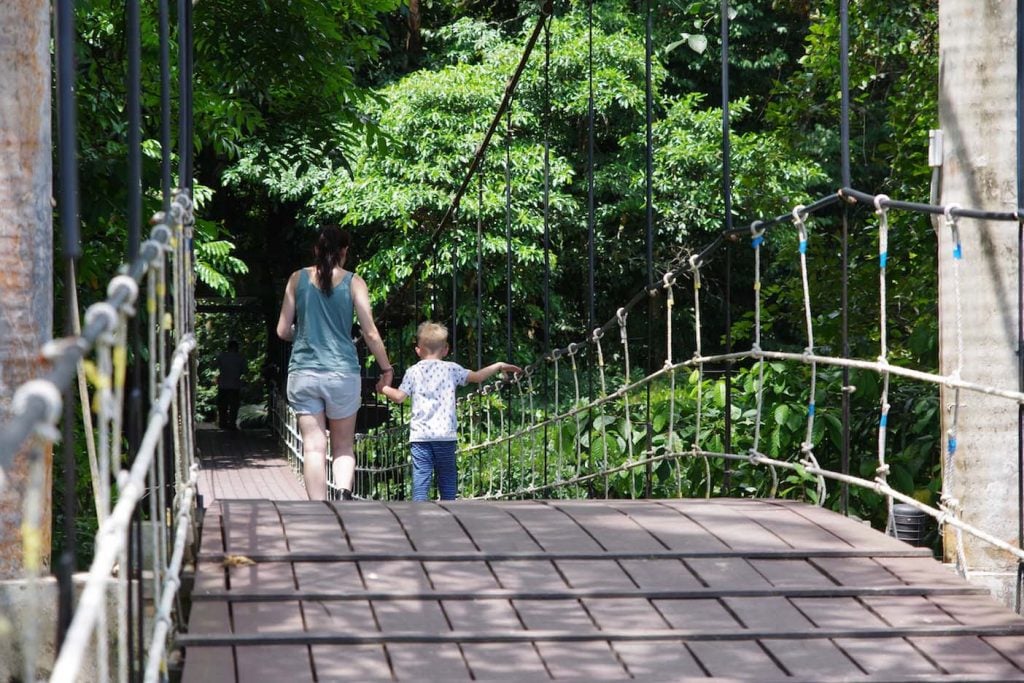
{"x":807,"y":447}
{"x":949,"y":470}
{"x":882,"y":471}
{"x":757,"y":231}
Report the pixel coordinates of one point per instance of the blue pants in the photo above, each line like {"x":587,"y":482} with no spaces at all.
{"x":429,"y":457}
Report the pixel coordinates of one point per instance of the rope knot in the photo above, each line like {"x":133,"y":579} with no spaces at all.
{"x":882,"y":470}
{"x":880,"y":201}
{"x":597,"y":334}
{"x":47,"y":393}
{"x":668,"y":279}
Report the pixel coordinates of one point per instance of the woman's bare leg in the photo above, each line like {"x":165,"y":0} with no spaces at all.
{"x":342,"y":451}
{"x":314,"y":455}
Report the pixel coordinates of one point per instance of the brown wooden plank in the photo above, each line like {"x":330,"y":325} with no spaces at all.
{"x":473,"y":615}
{"x":270,"y":577}
{"x":856,"y":533}
{"x":205,"y":664}
{"x":472,"y":576}
{"x":313,"y":576}
{"x":528,"y":574}
{"x":658,"y":660}
{"x":491,"y":526}
{"x":594,"y":574}
{"x":444,"y":662}
{"x":727,"y":571}
{"x":624,"y":613}
{"x":209,"y":617}
{"x":894,"y":657}
{"x":735,"y":659}
{"x":907,"y":610}
{"x":976,"y":610}
{"x":731,"y":526}
{"x":401,"y":575}
{"x":371,"y":527}
{"x":792,"y":573}
{"x":314,"y":533}
{"x":670,"y":526}
{"x":856,"y":571}
{"x":552,"y":529}
{"x":410,"y":615}
{"x":273,"y":663}
{"x":431,"y":528}
{"x":566,"y":615}
{"x":354,"y":663}
{"x":252,"y":526}
{"x":837,"y":613}
{"x":350,"y":617}
{"x":267,"y":617}
{"x":813,"y":658}
{"x":709,"y":614}
{"x":794,"y":529}
{"x":921,"y":570}
{"x":966,"y":655}
{"x":610,"y":527}
{"x":582,"y":661}
{"x":504,"y":661}
{"x":660,"y":574}
{"x":767,"y":614}
{"x":1011,"y":647}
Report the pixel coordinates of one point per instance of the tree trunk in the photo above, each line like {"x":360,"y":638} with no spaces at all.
{"x":977,"y":113}
{"x":26,"y":242}
{"x":412,"y":44}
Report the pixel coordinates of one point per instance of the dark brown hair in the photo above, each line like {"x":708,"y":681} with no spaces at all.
{"x":327,"y":254}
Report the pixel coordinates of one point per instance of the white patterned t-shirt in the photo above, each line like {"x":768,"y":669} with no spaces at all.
{"x":431,"y":384}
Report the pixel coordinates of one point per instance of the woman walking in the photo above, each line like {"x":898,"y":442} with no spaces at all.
{"x":323,"y":372}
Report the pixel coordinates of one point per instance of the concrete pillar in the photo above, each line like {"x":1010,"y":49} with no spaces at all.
{"x":977,"y":114}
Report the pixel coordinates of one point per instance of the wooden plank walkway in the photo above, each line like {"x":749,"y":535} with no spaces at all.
{"x":243,"y":464}
{"x":599,"y":590}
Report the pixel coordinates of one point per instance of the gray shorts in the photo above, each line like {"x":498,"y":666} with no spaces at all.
{"x":334,"y":393}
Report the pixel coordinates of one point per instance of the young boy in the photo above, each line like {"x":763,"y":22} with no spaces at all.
{"x":432,"y":429}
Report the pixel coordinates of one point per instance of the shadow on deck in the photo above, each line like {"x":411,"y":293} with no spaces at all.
{"x":598,"y":590}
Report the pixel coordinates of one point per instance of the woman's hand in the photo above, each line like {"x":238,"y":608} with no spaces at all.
{"x":386,"y":377}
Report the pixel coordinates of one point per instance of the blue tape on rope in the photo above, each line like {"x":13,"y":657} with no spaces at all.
{"x":951,"y":447}
{"x":884,"y":421}
{"x":883,"y":259}
{"x":958,"y":252}
{"x":757,"y":241}
{"x":810,"y":410}
{"x":803,"y":246}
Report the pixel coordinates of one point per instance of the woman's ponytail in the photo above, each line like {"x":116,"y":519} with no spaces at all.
{"x":327,"y":254}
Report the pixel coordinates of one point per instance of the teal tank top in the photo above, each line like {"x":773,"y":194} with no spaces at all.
{"x":323,"y":328}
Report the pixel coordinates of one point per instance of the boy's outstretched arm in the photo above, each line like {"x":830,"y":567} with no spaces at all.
{"x":396,"y":395}
{"x":492,"y":369}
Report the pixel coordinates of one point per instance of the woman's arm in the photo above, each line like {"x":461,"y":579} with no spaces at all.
{"x":361,"y":302}
{"x":285,"y":321}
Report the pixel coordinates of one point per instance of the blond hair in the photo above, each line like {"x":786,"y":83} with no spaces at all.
{"x":432,"y":337}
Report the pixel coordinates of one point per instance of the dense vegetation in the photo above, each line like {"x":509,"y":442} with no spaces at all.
{"x":367,"y":112}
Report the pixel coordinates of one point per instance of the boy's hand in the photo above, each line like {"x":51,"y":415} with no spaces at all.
{"x":510,"y":369}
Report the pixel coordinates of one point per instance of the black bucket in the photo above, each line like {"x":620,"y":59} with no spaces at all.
{"x":911,"y":524}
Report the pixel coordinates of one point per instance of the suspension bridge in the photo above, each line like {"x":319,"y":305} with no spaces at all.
{"x":575,"y":552}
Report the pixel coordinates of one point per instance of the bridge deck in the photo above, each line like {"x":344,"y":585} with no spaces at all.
{"x":600,"y":590}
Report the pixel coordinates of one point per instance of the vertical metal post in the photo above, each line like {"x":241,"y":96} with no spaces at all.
{"x":649,"y":205}
{"x":727,"y":201}
{"x":67,"y":154}
{"x":591,"y":312}
{"x":844,"y":139}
